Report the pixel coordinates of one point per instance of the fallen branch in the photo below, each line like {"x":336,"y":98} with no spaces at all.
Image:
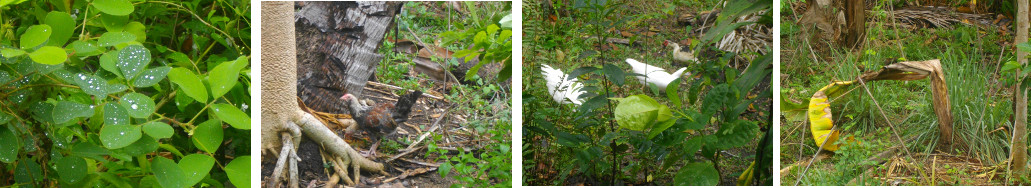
{"x":424,"y":94}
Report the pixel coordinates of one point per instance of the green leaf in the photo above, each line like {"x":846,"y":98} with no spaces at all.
{"x":143,"y":146}
{"x":71,"y":169}
{"x":89,"y":150}
{"x":639,"y":111}
{"x":190,"y":83}
{"x":11,"y":52}
{"x":1024,"y":47}
{"x":114,"y":7}
{"x":36,"y":35}
{"x":137,"y":29}
{"x":132,"y":60}
{"x":168,"y":174}
{"x":49,"y":55}
{"x":68,"y":110}
{"x":117,"y":132}
{"x":697,"y":174}
{"x":208,"y":136}
{"x":84,"y":48}
{"x":115,"y":38}
{"x":225,"y":75}
{"x":91,"y":84}
{"x":659,"y":127}
{"x":28,"y":171}
{"x":736,"y":134}
{"x":615,"y":74}
{"x":158,"y":130}
{"x":150,"y":77}
{"x":114,"y":23}
{"x":195,"y":167}
{"x":9,"y":145}
{"x":673,"y":92}
{"x":138,"y":105}
{"x":444,"y":169}
{"x":108,"y":61}
{"x":63,"y":26}
{"x":232,"y":115}
{"x":239,"y":171}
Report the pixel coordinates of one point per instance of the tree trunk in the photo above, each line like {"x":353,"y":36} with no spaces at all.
{"x":337,"y":44}
{"x":1019,"y":144}
{"x":278,"y":53}
{"x":855,"y":18}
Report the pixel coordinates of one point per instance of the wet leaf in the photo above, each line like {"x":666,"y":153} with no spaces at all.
{"x":239,"y":171}
{"x":132,"y":60}
{"x":68,"y":110}
{"x":225,"y":75}
{"x":208,"y":136}
{"x":232,"y":115}
{"x":117,"y":132}
{"x":138,"y":105}
{"x":168,"y":174}
{"x":195,"y":167}
{"x":71,"y":169}
{"x":49,"y":55}
{"x":158,"y":130}
{"x":34,"y":36}
{"x":9,"y":146}
{"x":189,"y":82}
{"x":151,"y":76}
{"x":63,"y":26}
{"x":115,"y":38}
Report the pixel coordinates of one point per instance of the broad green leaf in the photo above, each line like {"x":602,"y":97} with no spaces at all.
{"x":9,"y":145}
{"x":673,"y":92}
{"x":108,"y":61}
{"x":35,"y":36}
{"x":71,"y":169}
{"x":736,"y":133}
{"x":143,"y":146}
{"x":168,"y":174}
{"x":158,"y":130}
{"x":68,"y":110}
{"x":660,"y":126}
{"x":114,"y":23}
{"x":208,"y":136}
{"x":116,"y":38}
{"x":697,"y":174}
{"x":195,"y":167}
{"x":114,"y":7}
{"x":239,"y":171}
{"x":189,"y":82}
{"x":150,"y":77}
{"x":63,"y":26}
{"x":132,"y":60}
{"x":639,"y":111}
{"x":137,"y":29}
{"x":28,"y":171}
{"x":11,"y":52}
{"x":89,"y":150}
{"x":91,"y":84}
{"x":117,"y":132}
{"x":225,"y":75}
{"x":614,"y":73}
{"x":232,"y":115}
{"x":138,"y":105}
{"x":84,"y":48}
{"x":49,"y":55}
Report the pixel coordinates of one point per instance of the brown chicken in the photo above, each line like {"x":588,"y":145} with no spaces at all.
{"x":380,"y":120}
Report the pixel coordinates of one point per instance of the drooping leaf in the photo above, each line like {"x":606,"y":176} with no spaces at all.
{"x":49,"y":55}
{"x":208,"y":136}
{"x":189,"y":82}
{"x":114,"y":7}
{"x":232,"y":115}
{"x":35,"y":36}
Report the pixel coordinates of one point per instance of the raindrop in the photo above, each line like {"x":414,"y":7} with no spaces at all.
{"x":134,"y":106}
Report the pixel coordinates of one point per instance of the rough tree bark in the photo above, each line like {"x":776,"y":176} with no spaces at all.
{"x":337,"y":44}
{"x":855,"y":18}
{"x":281,"y":112}
{"x":1018,"y":154}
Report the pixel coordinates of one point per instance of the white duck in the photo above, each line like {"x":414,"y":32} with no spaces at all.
{"x":563,"y":89}
{"x":680,"y":56}
{"x":653,"y":74}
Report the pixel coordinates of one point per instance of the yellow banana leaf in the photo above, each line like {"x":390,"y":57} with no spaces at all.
{"x":820,"y":116}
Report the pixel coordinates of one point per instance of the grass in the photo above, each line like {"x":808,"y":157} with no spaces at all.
{"x":970,"y":57}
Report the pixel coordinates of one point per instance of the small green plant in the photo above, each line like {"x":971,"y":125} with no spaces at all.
{"x":100,"y":99}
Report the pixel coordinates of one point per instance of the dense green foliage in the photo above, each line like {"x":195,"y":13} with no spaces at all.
{"x":623,"y":134}
{"x":119,"y":93}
